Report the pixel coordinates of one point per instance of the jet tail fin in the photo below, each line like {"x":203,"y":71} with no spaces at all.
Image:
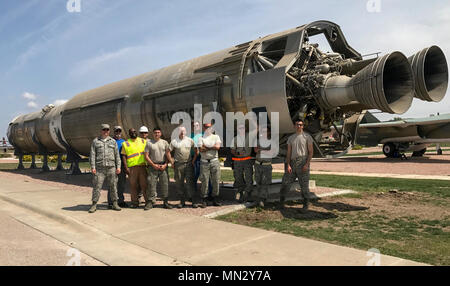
{"x":369,"y":118}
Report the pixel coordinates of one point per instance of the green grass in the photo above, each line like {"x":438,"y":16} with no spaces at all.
{"x":438,"y":188}
{"x":409,"y":237}
{"x":405,"y":237}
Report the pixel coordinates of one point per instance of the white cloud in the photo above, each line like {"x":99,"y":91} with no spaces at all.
{"x":32,"y":104}
{"x":90,"y":64}
{"x":59,"y":102}
{"x":29,"y":95}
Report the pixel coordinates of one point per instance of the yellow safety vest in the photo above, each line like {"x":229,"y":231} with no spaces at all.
{"x":135,"y":152}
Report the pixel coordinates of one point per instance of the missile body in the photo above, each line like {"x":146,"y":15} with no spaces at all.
{"x":285,"y":73}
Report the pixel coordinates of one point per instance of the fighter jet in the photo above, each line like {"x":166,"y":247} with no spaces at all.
{"x":399,"y":136}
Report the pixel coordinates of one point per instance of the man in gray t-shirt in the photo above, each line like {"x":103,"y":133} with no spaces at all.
{"x":157,"y":155}
{"x":298,"y":159}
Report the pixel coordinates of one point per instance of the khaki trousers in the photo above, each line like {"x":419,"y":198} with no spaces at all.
{"x":138,"y":174}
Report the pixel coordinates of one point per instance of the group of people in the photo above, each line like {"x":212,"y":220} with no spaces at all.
{"x":146,"y":162}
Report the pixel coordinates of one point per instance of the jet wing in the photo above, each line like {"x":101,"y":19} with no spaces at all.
{"x":433,"y":120}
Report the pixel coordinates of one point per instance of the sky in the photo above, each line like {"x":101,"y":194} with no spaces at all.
{"x":48,"y":54}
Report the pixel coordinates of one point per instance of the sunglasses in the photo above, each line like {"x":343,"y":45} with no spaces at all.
{"x":300,"y":124}
{"x":106,"y":129}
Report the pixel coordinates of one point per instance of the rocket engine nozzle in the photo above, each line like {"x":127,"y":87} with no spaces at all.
{"x":431,"y":74}
{"x":386,"y":84}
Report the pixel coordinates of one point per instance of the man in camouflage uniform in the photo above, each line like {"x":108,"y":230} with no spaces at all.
{"x":157,"y":155}
{"x":298,"y":159}
{"x":209,"y":144}
{"x":243,"y":168}
{"x":263,"y":167}
{"x":183,"y":165}
{"x":105,"y":164}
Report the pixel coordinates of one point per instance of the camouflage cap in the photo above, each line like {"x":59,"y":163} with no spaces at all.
{"x":105,"y":126}
{"x":117,"y":128}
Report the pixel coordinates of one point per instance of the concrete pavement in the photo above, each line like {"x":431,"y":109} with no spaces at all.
{"x":22,"y":245}
{"x":163,"y":237}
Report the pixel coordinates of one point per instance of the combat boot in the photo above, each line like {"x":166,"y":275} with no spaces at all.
{"x":123,"y":205}
{"x":182,"y":204}
{"x":305,"y":206}
{"x":148,"y":206}
{"x":242,"y":197}
{"x":261,"y":203}
{"x":167,"y":205}
{"x":248,"y":197}
{"x":93,"y":208}
{"x":204,"y":203}
{"x":115,"y":206}
{"x":216,"y":202}
{"x":245,"y":196}
{"x":282,"y":202}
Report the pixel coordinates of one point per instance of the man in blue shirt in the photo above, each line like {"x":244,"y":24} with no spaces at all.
{"x":121,"y":178}
{"x":195,"y":136}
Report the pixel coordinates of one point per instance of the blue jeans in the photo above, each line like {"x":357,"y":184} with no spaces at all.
{"x":197,"y":174}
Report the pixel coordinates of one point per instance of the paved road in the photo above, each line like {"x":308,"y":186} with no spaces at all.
{"x":162,"y":237}
{"x":23,"y":245}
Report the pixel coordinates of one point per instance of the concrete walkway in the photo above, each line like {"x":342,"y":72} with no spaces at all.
{"x":163,"y":237}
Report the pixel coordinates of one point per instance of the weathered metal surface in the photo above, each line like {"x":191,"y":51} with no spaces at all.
{"x":283,"y":72}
